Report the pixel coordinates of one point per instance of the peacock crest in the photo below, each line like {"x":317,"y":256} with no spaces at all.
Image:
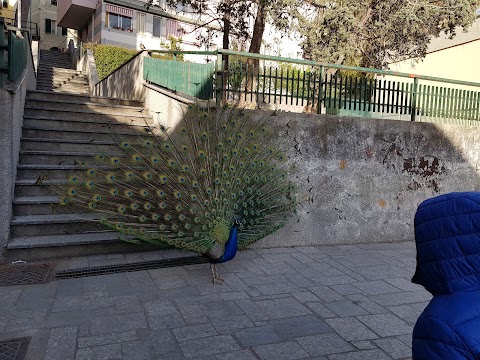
{"x":187,"y":186}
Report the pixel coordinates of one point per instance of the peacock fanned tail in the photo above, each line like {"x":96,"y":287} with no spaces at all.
{"x":186,"y":186}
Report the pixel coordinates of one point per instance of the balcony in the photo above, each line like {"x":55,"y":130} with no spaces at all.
{"x":73,"y":14}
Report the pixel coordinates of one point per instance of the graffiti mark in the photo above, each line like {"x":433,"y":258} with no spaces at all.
{"x":423,"y":166}
{"x":369,"y":152}
{"x":343,"y":165}
{"x":382,"y":203}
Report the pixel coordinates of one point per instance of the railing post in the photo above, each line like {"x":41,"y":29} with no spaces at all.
{"x":219,"y":80}
{"x":320,"y":90}
{"x":413,"y":104}
{"x":2,"y":52}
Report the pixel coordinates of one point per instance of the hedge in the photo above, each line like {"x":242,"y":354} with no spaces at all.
{"x":108,"y":58}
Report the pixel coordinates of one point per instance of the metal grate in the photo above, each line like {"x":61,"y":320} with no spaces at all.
{"x":21,"y":274}
{"x":14,"y":349}
{"x":146,"y":265}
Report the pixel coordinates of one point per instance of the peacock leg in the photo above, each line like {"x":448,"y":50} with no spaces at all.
{"x":216,"y":274}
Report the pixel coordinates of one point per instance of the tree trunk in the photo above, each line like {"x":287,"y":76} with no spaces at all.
{"x":256,"y":44}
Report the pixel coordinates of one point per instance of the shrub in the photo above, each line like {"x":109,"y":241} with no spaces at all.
{"x":108,"y":58}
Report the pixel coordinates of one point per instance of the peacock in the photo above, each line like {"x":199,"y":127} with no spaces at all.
{"x":215,"y":183}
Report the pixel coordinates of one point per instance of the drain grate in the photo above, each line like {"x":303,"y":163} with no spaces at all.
{"x":146,"y":265}
{"x":22,"y":274}
{"x":15,"y":349}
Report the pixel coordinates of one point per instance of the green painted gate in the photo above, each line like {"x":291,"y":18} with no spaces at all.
{"x":184,"y":77}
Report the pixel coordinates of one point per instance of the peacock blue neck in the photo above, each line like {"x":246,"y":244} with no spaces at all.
{"x":230,"y":246}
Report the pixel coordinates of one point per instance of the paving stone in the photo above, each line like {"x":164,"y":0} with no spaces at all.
{"x":127,"y":304}
{"x":402,"y":298}
{"x":69,"y":287}
{"x":98,"y":340}
{"x":160,"y":307}
{"x":192,"y":314}
{"x":404,"y":284}
{"x":320,"y":309}
{"x":420,"y":306}
{"x":61,"y":343}
{"x":278,"y":288}
{"x":281,"y":351}
{"x":351,"y":329}
{"x":117,"y":323}
{"x":355,"y":261}
{"x":137,"y":350}
{"x":406,"y":313}
{"x":36,"y":296}
{"x":170,"y":282}
{"x":237,"y":355}
{"x":394,"y":347}
{"x":406,"y":339}
{"x":194,"y":331}
{"x":282,"y":308}
{"x":231,"y":323}
{"x":162,"y":342}
{"x":299,"y":326}
{"x":235,"y":295}
{"x":163,"y":322}
{"x":67,"y":318}
{"x":256,"y":336}
{"x":345,"y":289}
{"x":305,"y":296}
{"x":376,"y":287}
{"x":346,"y":308}
{"x":334,"y":280}
{"x":363,"y":345}
{"x":386,"y":324}
{"x":250,"y":309}
{"x":382,"y":272}
{"x":221,"y":309}
{"x":105,"y":352}
{"x":84,"y":302}
{"x":326,"y":294}
{"x":192,"y":349}
{"x":361,"y":355}
{"x":367,"y":304}
{"x":324,"y":344}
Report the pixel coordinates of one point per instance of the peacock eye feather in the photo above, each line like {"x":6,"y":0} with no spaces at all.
{"x":182,"y":217}
{"x":97,"y":198}
{"x":90,"y":184}
{"x":92,"y":205}
{"x":162,"y":205}
{"x":161,"y":193}
{"x":201,"y":154}
{"x":167,"y":217}
{"x":181,"y":179}
{"x":134,"y":206}
{"x":73,"y":179}
{"x":115,"y":161}
{"x":171,"y":163}
{"x":203,"y":172}
{"x":121,"y":209}
{"x":177,"y":194}
{"x":193,"y":197}
{"x":163,"y":179}
{"x":167,"y":146}
{"x":91,"y":172}
{"x":186,"y":168}
{"x":155,"y":160}
{"x":179,"y":207}
{"x":155,"y":217}
{"x":142,"y":218}
{"x":195,"y":184}
{"x":174,"y":227}
{"x":147,"y":176}
{"x":187,"y":226}
{"x":193,"y":210}
{"x":162,"y":227}
{"x":63,"y":201}
{"x":128,"y":193}
{"x":136,"y":158}
{"x":125,"y":145}
{"x":147,"y":206}
{"x":209,"y":191}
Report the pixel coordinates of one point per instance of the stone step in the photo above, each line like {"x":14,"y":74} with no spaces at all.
{"x":60,"y":158}
{"x":58,"y":80}
{"x":43,"y":205}
{"x":66,"y":91}
{"x":31,"y":248}
{"x":135,"y":118}
{"x":77,"y":132}
{"x":75,"y":107}
{"x":40,"y":171}
{"x":58,"y":224}
{"x":32,"y":187}
{"x":39,"y":144}
{"x":85,"y":124}
{"x":43,"y":95}
{"x":53,"y":70}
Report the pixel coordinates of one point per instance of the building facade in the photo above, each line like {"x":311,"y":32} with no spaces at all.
{"x":133,"y":25}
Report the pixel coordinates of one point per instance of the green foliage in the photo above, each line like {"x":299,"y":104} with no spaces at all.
{"x":108,"y":58}
{"x":172,"y":45}
{"x":374,"y":33}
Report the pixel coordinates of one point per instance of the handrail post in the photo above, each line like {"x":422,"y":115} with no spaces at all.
{"x":219,"y":80}
{"x":320,"y":90}
{"x":413,"y":105}
{"x":3,"y":46}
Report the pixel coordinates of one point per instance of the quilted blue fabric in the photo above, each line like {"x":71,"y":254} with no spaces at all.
{"x":447,"y":235}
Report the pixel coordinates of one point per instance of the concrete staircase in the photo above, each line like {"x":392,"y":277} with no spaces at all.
{"x":56,"y":73}
{"x":59,"y":130}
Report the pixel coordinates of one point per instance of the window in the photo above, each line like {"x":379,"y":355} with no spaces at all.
{"x":119,"y":22}
{"x":50,"y":26}
{"x":5,"y":4}
{"x":53,"y":2}
{"x":140,"y":23}
{"x":159,"y":27}
{"x":157,"y":23}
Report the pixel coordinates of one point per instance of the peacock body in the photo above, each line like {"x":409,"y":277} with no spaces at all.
{"x":214,"y":184}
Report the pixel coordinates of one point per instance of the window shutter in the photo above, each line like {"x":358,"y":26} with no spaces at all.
{"x":64,"y":31}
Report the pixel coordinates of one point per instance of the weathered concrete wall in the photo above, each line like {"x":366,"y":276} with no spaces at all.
{"x":12,"y":102}
{"x":88,"y":67}
{"x":361,"y":180}
{"x":126,"y":82}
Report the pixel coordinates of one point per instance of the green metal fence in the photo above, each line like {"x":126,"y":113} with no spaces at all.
{"x":308,"y":86}
{"x":13,"y":52}
{"x":187,"y":78}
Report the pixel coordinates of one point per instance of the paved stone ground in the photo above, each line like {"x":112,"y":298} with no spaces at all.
{"x":330,"y":302}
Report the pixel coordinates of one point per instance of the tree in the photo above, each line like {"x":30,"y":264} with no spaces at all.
{"x":234,"y":17}
{"x":374,"y":33}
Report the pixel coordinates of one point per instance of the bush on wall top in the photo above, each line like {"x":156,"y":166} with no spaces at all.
{"x":108,"y":58}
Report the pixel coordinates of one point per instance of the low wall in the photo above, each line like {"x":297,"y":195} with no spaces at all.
{"x":12,"y":103}
{"x":88,"y":67}
{"x":361,"y":180}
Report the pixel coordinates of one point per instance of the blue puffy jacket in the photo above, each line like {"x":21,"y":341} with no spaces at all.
{"x":447,"y":235}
